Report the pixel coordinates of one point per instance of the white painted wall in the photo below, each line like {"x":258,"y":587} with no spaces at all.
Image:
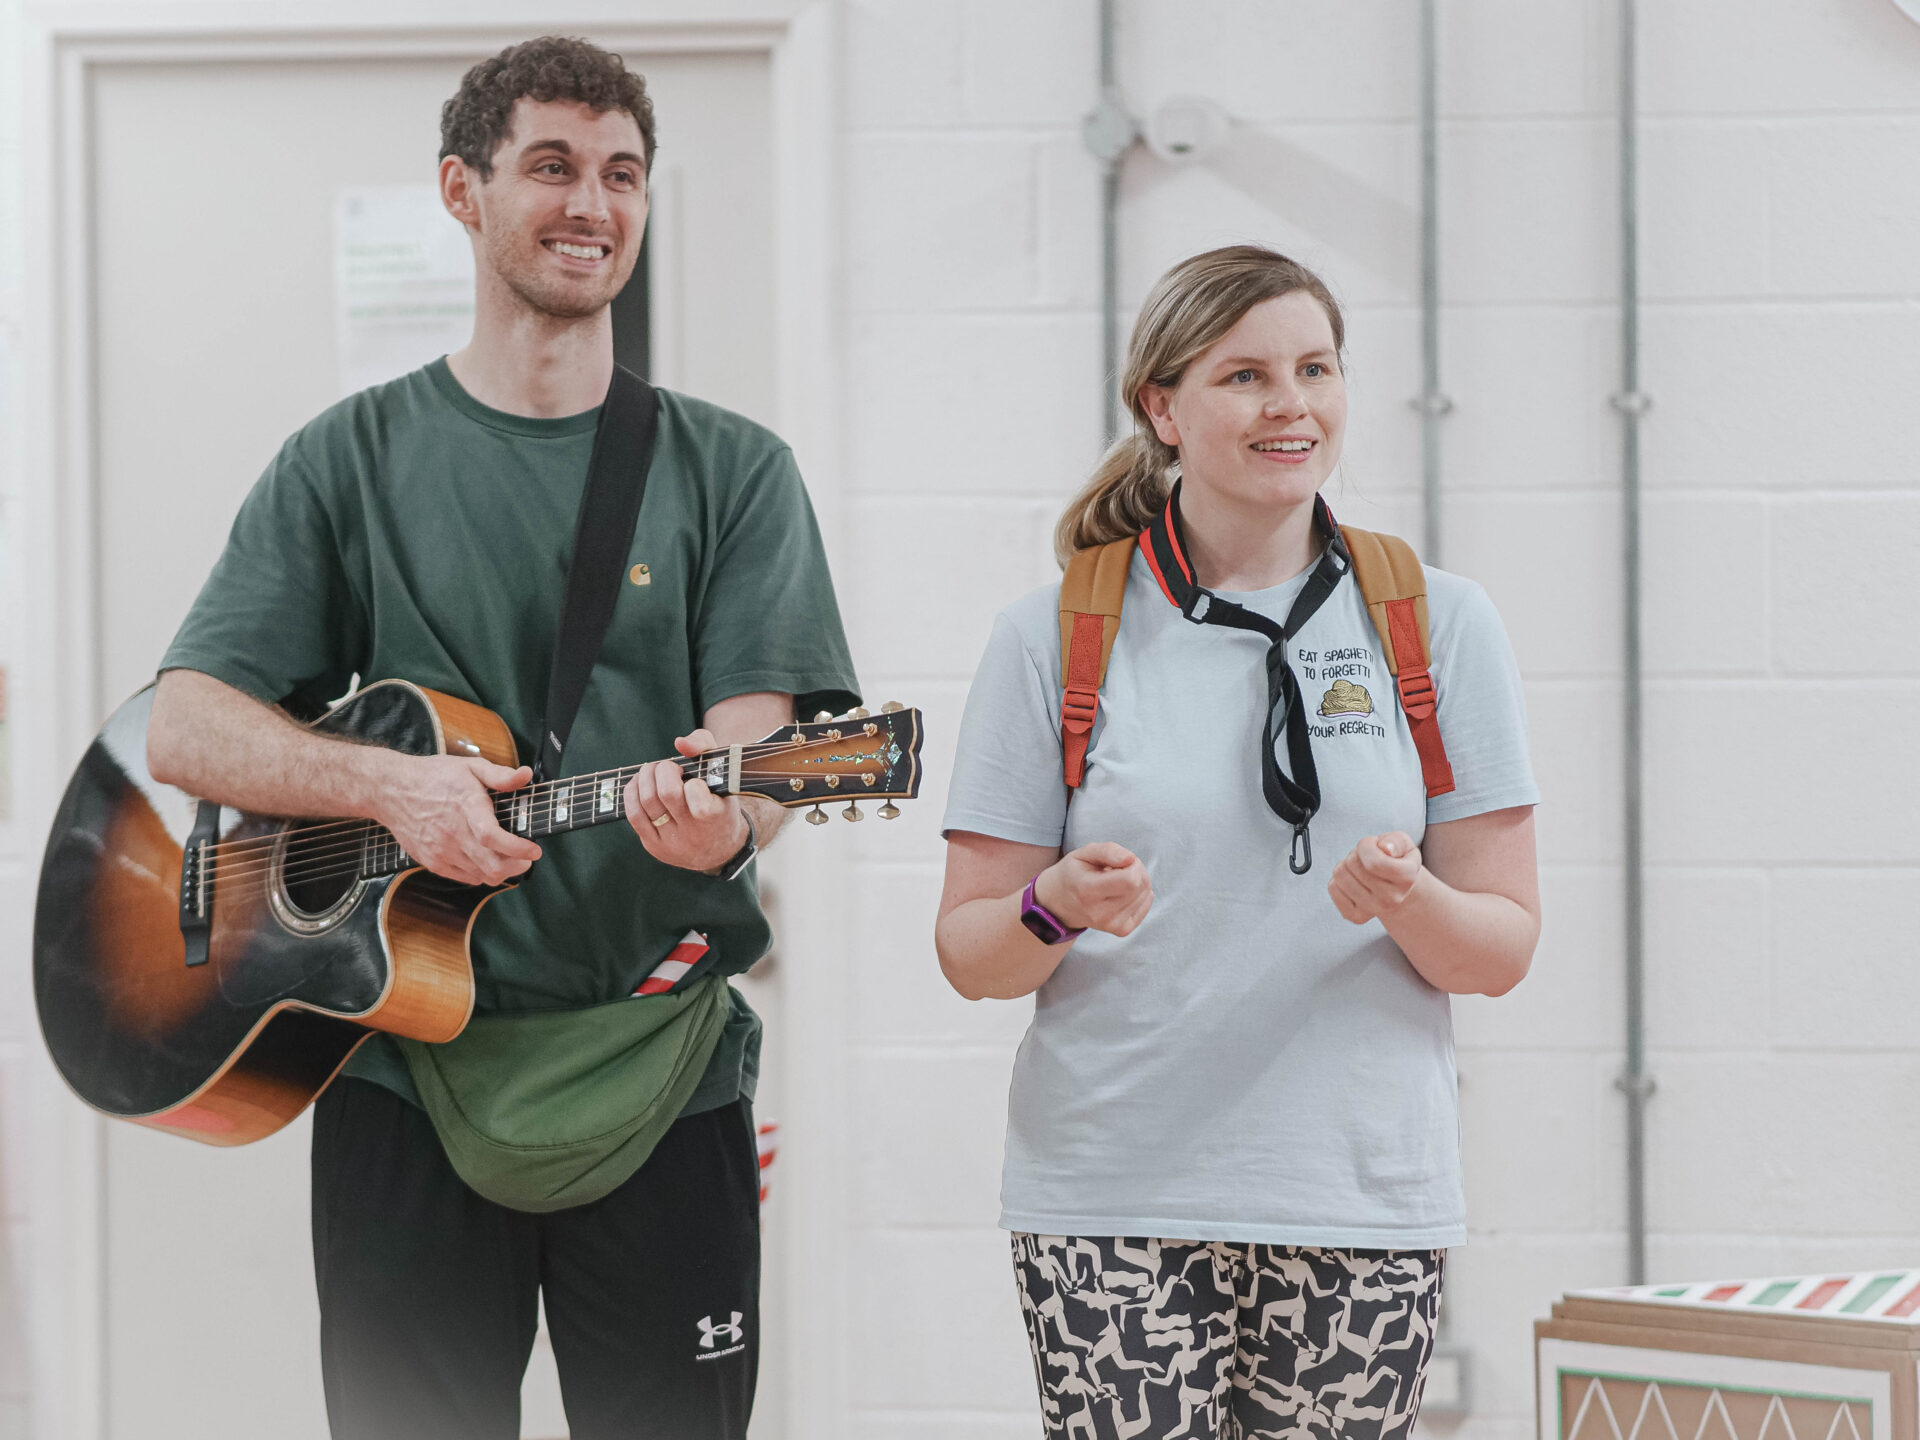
{"x":17,"y":851}
{"x":1781,"y":198}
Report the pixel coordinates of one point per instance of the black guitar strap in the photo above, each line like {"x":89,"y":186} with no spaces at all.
{"x":623,"y":444}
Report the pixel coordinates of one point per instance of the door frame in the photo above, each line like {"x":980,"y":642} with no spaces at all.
{"x":57,"y":702}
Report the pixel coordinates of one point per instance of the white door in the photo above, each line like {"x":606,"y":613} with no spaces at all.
{"x":214,"y":188}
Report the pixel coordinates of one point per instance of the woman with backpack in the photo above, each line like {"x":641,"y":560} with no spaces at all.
{"x":1232,"y":1165}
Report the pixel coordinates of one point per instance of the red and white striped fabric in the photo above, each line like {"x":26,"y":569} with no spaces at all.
{"x":670,"y":971}
{"x":768,"y":1144}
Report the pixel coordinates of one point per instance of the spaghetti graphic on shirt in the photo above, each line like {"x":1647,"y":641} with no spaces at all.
{"x":1346,"y":698}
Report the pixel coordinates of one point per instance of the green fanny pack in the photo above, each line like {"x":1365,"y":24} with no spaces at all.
{"x":555,"y":1108}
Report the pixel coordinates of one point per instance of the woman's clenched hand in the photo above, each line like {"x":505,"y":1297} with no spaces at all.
{"x":1376,"y":877}
{"x":1102,"y":886}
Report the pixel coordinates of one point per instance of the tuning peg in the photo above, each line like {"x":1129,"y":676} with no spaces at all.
{"x":816,"y":816}
{"x":852,"y":812}
{"x":889,"y":811}
{"x":823,"y":717}
{"x":891,"y":706}
{"x":859,"y":712}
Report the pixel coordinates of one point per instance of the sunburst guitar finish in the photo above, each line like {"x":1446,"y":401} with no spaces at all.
{"x":316,"y":932}
{"x":231,"y":1050}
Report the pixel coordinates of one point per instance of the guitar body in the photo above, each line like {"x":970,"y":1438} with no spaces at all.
{"x":305,"y":954}
{"x":207,"y":972}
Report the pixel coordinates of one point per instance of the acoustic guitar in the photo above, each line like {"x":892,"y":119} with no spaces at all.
{"x":207,"y":972}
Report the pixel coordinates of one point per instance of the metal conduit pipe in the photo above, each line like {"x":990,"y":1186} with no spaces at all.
{"x":1109,"y":132}
{"x":1632,"y":405}
{"x":1433,"y":403}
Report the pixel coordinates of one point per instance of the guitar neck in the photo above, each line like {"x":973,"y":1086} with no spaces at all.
{"x":577,"y":802}
{"x":856,"y":757}
{"x":573,"y":802}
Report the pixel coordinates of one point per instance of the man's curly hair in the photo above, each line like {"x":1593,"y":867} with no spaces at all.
{"x":479,"y":118}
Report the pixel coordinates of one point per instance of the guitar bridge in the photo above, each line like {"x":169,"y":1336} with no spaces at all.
{"x":197,"y":881}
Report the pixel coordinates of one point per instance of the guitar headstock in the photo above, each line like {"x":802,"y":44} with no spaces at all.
{"x":852,"y":757}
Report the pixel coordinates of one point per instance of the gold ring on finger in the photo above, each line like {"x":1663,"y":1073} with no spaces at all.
{"x":662,"y":820}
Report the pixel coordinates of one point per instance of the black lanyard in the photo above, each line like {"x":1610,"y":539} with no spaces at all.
{"x":1294,"y":798}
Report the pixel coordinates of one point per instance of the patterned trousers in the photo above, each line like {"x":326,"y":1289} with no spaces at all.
{"x":1177,"y":1340}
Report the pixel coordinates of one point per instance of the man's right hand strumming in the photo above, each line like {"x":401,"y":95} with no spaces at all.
{"x":440,"y":809}
{"x":221,"y":744}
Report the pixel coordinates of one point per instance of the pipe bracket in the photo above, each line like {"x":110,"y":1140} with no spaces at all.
{"x":1637,"y":1087}
{"x":1631,"y":402}
{"x":1434,"y":402}
{"x":1109,"y":131}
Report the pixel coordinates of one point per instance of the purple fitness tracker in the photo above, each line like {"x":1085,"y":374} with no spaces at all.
{"x":1041,"y":921}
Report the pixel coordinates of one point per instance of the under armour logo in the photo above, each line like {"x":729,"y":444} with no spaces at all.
{"x":710,"y":1332}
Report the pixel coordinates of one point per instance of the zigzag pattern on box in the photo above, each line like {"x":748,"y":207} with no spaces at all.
{"x":1668,"y":1410}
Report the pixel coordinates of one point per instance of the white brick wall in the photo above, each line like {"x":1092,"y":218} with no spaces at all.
{"x":17,"y":1030}
{"x":1781,"y":194}
{"x":1780,"y":201}
{"x":971,"y":330}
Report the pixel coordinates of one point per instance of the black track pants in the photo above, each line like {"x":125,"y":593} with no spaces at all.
{"x":428,"y":1291}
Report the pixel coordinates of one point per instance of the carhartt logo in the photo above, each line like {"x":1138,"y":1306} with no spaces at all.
{"x":711,"y":1333}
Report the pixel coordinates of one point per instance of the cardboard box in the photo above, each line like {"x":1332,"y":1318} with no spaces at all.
{"x":1803,"y":1357}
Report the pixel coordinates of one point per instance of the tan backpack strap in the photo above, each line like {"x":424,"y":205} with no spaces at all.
{"x":1388,"y":570}
{"x":1091,"y":594}
{"x":1394,"y":586}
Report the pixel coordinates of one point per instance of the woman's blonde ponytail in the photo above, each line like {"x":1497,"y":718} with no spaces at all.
{"x":1189,"y":308}
{"x":1125,"y":493}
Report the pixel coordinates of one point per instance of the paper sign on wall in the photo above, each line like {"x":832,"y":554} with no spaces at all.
{"x":402,"y":282}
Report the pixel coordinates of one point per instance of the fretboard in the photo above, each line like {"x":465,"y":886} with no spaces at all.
{"x":573,"y":802}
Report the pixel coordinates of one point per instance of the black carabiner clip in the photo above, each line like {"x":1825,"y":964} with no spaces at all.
{"x":1300,"y":858}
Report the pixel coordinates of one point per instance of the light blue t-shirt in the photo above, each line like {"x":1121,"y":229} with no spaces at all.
{"x":1247,"y":1065}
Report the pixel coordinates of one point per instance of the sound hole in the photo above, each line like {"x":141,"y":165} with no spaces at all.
{"x":320,"y":865}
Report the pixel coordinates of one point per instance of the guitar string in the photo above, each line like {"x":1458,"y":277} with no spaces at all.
{"x":353,"y":858}
{"x":225,"y":880}
{"x":369,"y":838}
{"x":374,"y":852}
{"x":543,"y":802}
{"x":364,"y":837}
{"x":542,"y":791}
{"x":547,"y":791}
{"x":365,"y":840}
{"x":545,"y":794}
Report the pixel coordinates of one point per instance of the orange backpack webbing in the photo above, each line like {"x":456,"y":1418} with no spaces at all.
{"x":1391,"y":582}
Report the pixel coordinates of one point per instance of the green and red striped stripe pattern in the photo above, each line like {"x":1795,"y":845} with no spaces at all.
{"x":1890,"y":1295}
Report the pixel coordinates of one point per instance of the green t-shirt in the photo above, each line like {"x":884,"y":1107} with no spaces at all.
{"x":411,"y":532}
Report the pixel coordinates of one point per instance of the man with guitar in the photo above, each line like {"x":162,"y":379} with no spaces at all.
{"x":424,"y":529}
